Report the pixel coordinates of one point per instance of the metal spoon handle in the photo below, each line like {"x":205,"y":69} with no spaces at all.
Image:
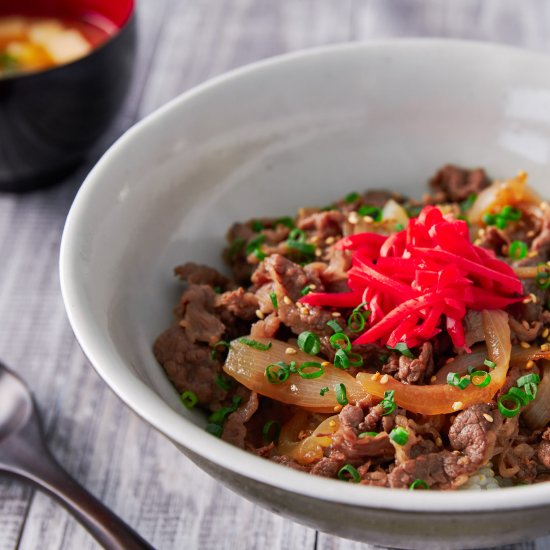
{"x":43,"y":470}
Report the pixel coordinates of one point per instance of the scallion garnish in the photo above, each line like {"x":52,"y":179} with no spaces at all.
{"x":219,"y":344}
{"x":399,"y":435}
{"x":531,"y":391}
{"x":223,"y":383}
{"x":518,"y":250}
{"x":388,"y":403}
{"x":340,"y":341}
{"x":357,"y":318}
{"x":453,"y":379}
{"x":418,"y":484}
{"x":286,"y":221}
{"x":297,"y":241}
{"x":256,"y":225}
{"x":530,"y":378}
{"x":309,"y":342}
{"x":277,"y":373}
{"x":352,"y":197}
{"x":468,"y":202}
{"x":341,"y":359}
{"x":520,"y":395}
{"x":509,"y":398}
{"x":403,"y":349}
{"x":501,"y":219}
{"x":341,"y":394}
{"x":355,"y":360}
{"x":274,"y":301}
{"x":489,"y":363}
{"x":349,"y":473}
{"x":254,"y":246}
{"x":255,"y":344}
{"x":372,"y":211}
{"x":214,"y":429}
{"x":189,"y":399}
{"x":480,"y":378}
{"x":306,"y":290}
{"x":322,"y":391}
{"x":334,"y":325}
{"x":271,"y":431}
{"x":219,"y":416}
{"x":542,"y":280}
{"x":311,"y":369}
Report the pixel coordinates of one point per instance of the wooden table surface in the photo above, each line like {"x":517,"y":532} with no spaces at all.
{"x":107,"y":448}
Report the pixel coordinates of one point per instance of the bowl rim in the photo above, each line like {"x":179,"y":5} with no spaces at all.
{"x":152,"y":408}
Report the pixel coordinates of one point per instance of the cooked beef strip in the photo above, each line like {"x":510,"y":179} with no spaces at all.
{"x":234,"y":428}
{"x":199,"y":274}
{"x":411,"y":370}
{"x":454,"y":184}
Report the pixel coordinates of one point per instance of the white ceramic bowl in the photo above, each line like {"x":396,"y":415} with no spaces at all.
{"x":300,"y":129}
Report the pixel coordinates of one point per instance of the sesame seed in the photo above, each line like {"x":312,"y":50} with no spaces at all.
{"x":312,"y":287}
{"x":527,"y":300}
{"x":545,"y":347}
{"x":318,"y":252}
{"x":329,"y":240}
{"x":533,"y":297}
{"x":433,"y":379}
{"x":325,"y":364}
{"x":332,"y":423}
{"x":353,"y":218}
{"x":439,"y":442}
{"x":336,"y":314}
{"x":384,"y":379}
{"x":183,"y":323}
{"x":287,"y":300}
{"x":477,"y":242}
{"x":532,"y":254}
{"x":260,"y":314}
{"x":314,"y":239}
{"x":529,"y":365}
{"x":545,"y":332}
{"x":524,"y":345}
{"x":531,"y":233}
{"x":368,"y":219}
{"x":337,"y":408}
{"x":543,"y":205}
{"x":457,"y":405}
{"x":376,"y":376}
{"x":488,"y":417}
{"x":304,"y":311}
{"x":481,"y":232}
{"x":290,"y":351}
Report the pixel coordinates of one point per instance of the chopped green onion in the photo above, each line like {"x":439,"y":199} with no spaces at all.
{"x":453,"y":379}
{"x":297,"y":235}
{"x":334,"y":325}
{"x":510,"y":213}
{"x":352,"y":197}
{"x":402,"y":348}
{"x":219,"y":416}
{"x":306,"y":290}
{"x":520,"y":395}
{"x":388,"y":403}
{"x":518,"y":250}
{"x":509,"y":412}
{"x":349,"y":473}
{"x":367,"y":434}
{"x":219,"y":344}
{"x":489,"y":219}
{"x":357,"y":318}
{"x":223,"y":383}
{"x":218,"y":289}
{"x":501,"y":219}
{"x":372,"y":211}
{"x":530,"y":378}
{"x":314,"y":369}
{"x":256,"y":225}
{"x":309,"y":342}
{"x":189,"y":399}
{"x":531,"y":391}
{"x":340,"y":341}
{"x":341,"y":394}
{"x":419,"y":483}
{"x":271,"y":431}
{"x":277,"y":373}
{"x":214,"y":429}
{"x":485,"y":380}
{"x":304,"y":248}
{"x":468,"y":202}
{"x":322,"y":391}
{"x":286,"y":221}
{"x":399,"y":435}
{"x":489,"y":363}
{"x":355,"y":360}
{"x":255,"y":344}
{"x":542,"y":280}
{"x":341,"y":359}
{"x":274,"y":301}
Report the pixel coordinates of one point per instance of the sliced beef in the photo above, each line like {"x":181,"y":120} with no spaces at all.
{"x":329,"y":466}
{"x":197,"y":314}
{"x":522,"y":332}
{"x":543,"y":454}
{"x":411,"y":370}
{"x":323,"y":224}
{"x":452,"y":183}
{"x":239,"y":303}
{"x":493,"y":239}
{"x":189,"y":365}
{"x":541,"y":243}
{"x":290,"y":463}
{"x":199,"y":274}
{"x":234,"y":429}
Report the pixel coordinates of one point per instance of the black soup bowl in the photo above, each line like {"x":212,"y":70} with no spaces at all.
{"x":50,"y":119}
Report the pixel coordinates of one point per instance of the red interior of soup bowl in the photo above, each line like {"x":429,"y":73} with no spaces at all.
{"x":116,"y":12}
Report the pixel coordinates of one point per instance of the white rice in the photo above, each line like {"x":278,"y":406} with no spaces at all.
{"x":483,"y":480}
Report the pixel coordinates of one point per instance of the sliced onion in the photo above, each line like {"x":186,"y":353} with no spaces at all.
{"x":247,"y":365}
{"x":501,"y":193}
{"x":310,"y":448}
{"x":443,"y":398}
{"x":393,"y":211}
{"x":537,"y":413}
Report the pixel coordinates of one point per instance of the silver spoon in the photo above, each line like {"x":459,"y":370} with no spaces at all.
{"x":23,"y":453}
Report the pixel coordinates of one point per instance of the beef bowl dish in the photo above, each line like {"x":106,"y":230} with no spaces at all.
{"x":356,"y":334}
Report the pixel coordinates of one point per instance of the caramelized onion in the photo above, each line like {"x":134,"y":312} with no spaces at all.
{"x":443,"y":398}
{"x":537,"y":413}
{"x":247,"y":365}
{"x":310,"y":448}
